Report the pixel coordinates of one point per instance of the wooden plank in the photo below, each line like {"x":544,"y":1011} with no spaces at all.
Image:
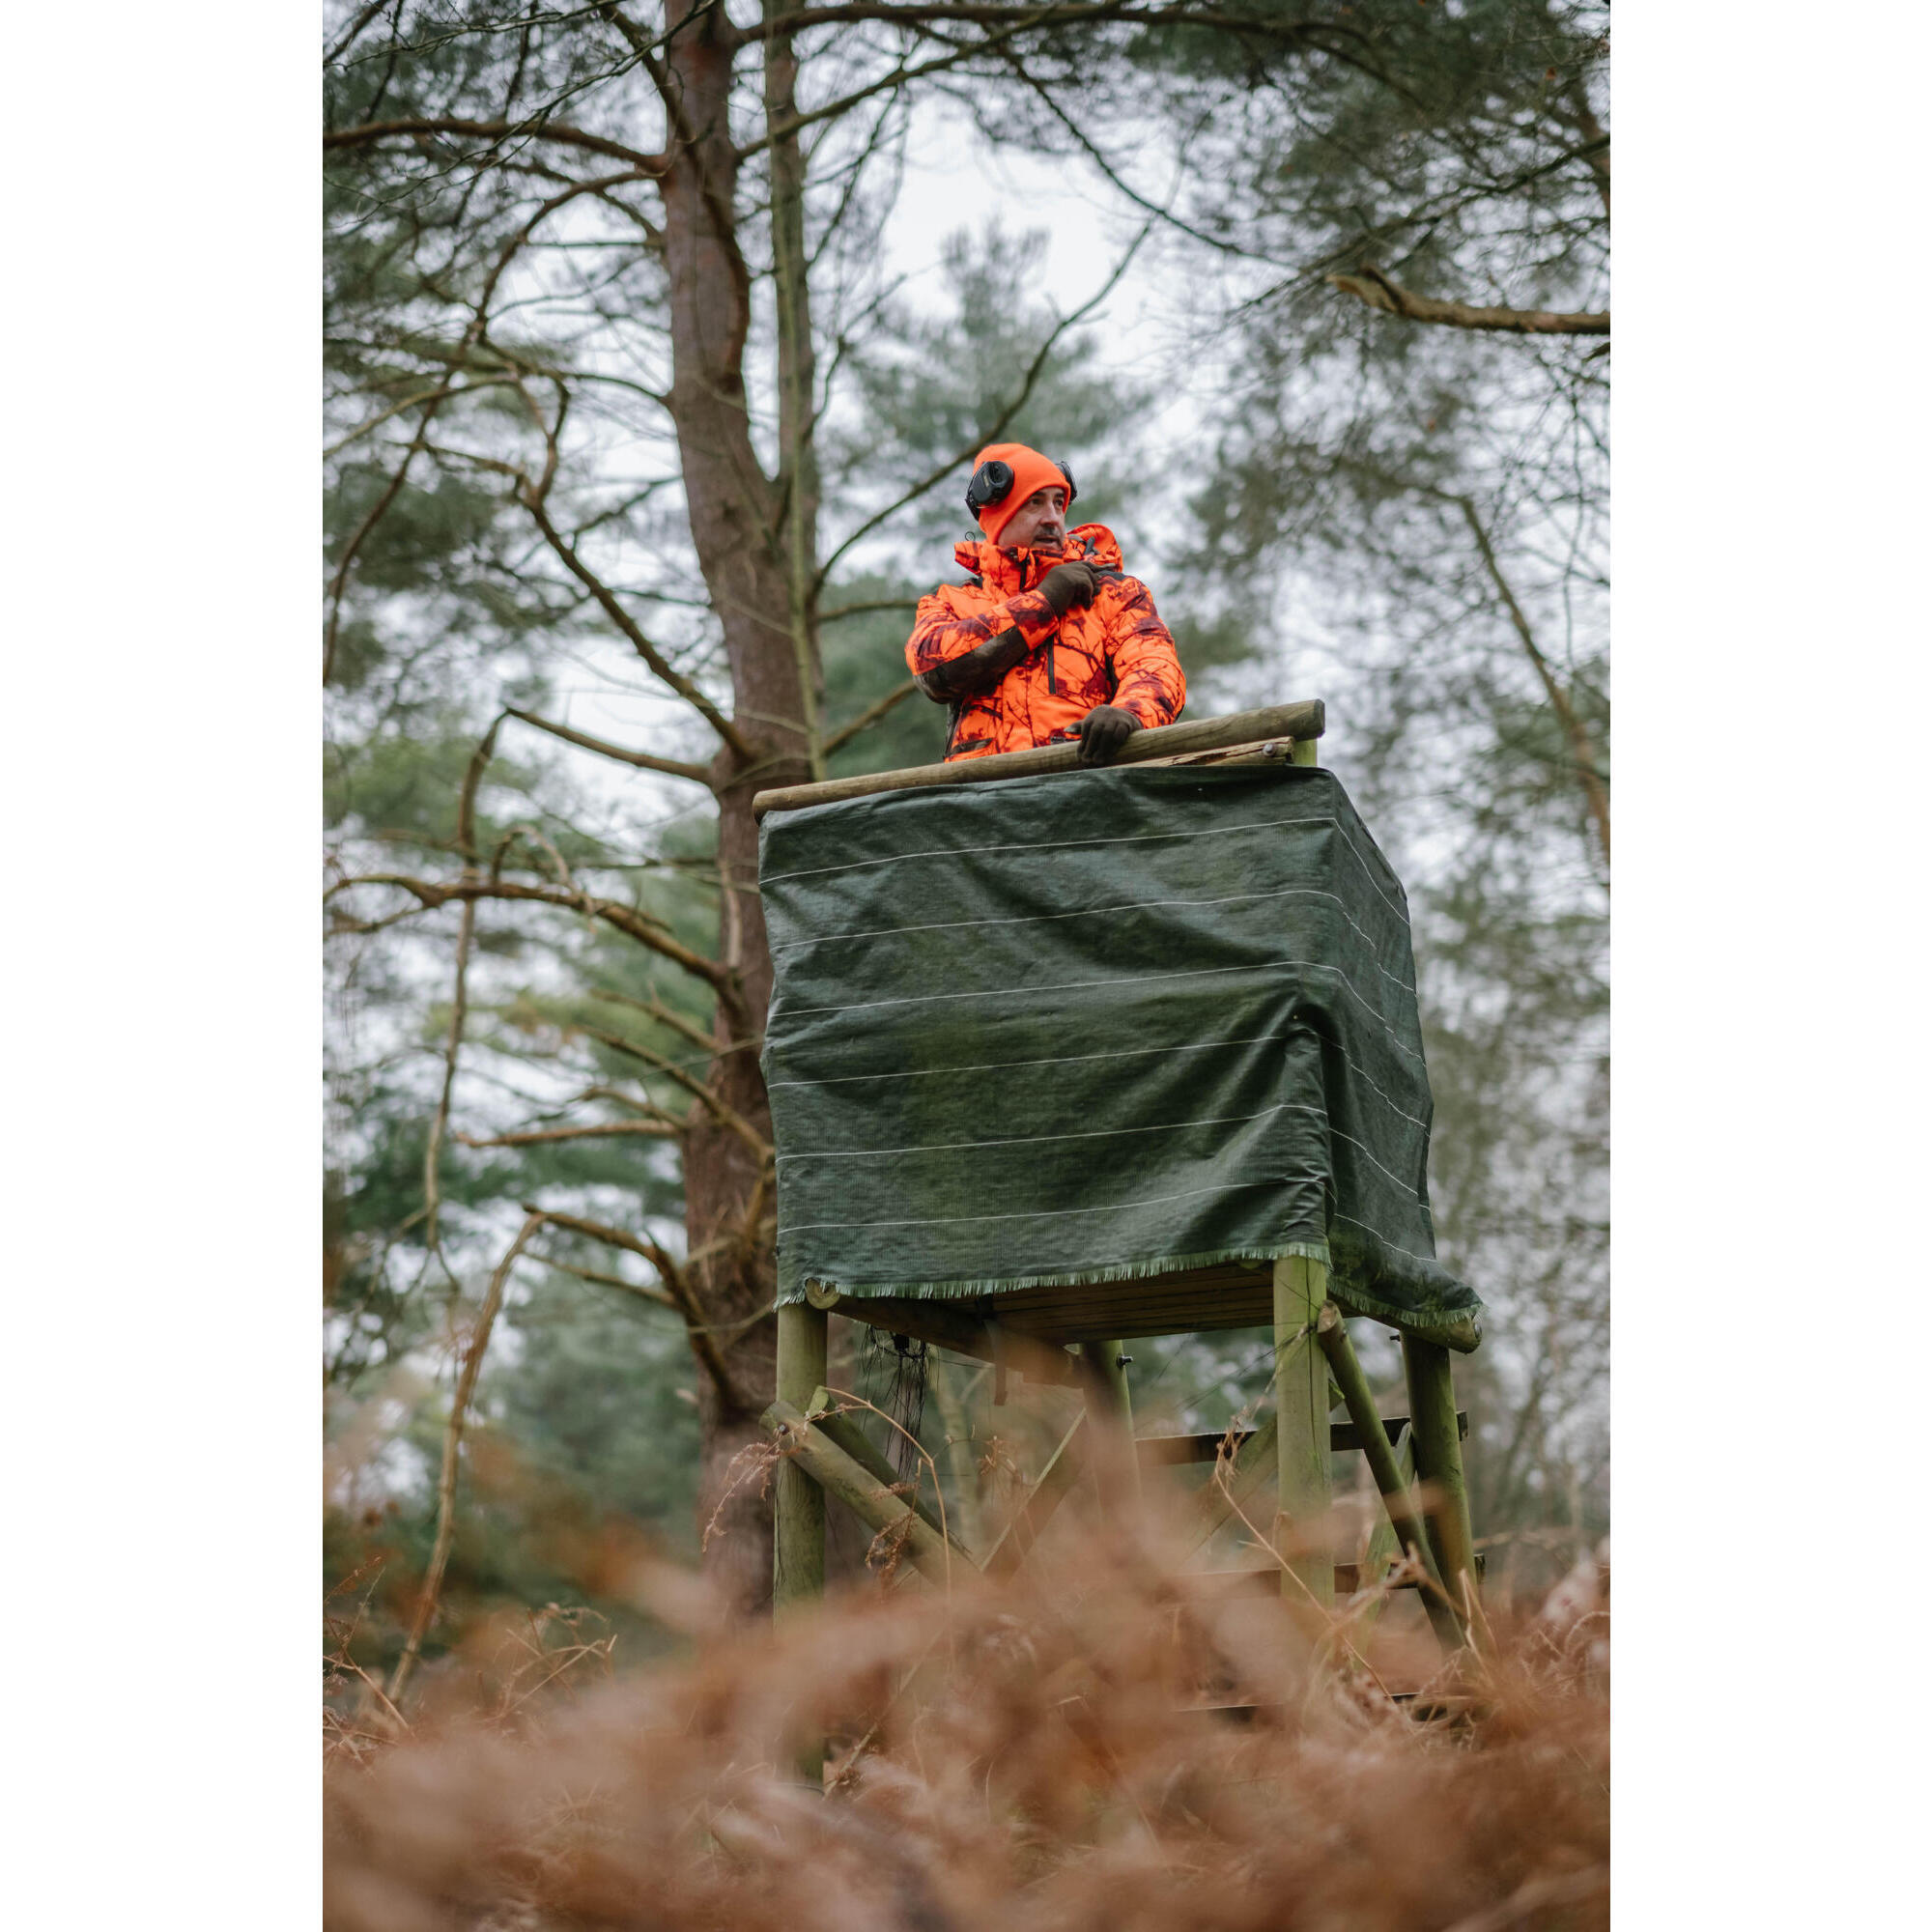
{"x":1167,"y":1452}
{"x":1299,"y":722}
{"x":1064,"y":1468}
{"x":1301,"y":1436}
{"x":1185,"y":1302}
{"x":1265,"y":1580}
{"x":1182,"y":1303}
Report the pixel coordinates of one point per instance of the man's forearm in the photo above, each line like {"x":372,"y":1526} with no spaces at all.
{"x":973,"y":671}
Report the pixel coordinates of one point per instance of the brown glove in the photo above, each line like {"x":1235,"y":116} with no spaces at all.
{"x":1066,"y":584}
{"x":1104,"y":731}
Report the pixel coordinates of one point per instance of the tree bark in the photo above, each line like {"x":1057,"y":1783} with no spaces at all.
{"x":735,"y":529}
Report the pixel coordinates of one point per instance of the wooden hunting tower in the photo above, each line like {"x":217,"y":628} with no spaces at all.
{"x":1063,"y":1058}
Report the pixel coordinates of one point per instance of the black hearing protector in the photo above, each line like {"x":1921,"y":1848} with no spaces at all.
{"x":993,"y":482}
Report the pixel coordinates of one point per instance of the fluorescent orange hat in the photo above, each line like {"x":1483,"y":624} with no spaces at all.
{"x":1025,"y":472}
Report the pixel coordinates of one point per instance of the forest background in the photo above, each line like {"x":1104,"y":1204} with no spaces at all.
{"x":657,"y":342}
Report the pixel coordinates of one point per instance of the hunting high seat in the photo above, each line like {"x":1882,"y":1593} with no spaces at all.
{"x":1062,"y":1058}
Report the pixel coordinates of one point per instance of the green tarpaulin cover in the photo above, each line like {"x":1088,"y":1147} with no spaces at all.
{"x":1092,"y":1027}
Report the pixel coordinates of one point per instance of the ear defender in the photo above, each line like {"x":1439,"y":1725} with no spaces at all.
{"x":992,"y":483}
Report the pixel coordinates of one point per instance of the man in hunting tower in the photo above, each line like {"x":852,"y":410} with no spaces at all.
{"x":1048,"y":641}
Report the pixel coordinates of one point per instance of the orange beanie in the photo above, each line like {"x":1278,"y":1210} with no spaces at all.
{"x":1030,"y":471}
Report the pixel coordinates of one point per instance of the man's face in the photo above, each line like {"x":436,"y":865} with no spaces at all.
{"x":1039,"y":522}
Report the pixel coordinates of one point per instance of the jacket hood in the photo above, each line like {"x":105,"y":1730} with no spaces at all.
{"x":1012,"y":571}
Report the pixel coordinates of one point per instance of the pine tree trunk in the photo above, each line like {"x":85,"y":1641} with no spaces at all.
{"x":736,"y":525}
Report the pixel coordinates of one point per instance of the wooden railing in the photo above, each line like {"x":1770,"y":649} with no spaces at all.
{"x":1264,"y":736}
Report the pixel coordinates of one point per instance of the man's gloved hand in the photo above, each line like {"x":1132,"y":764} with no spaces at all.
{"x":1104,"y":731}
{"x":1066,"y":584}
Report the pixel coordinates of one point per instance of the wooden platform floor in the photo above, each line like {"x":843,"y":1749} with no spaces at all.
{"x":1234,"y":1296}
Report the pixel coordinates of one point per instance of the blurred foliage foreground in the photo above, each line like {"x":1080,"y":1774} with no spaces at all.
{"x":1085,"y":1746}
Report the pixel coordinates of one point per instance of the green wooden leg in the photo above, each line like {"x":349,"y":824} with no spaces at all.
{"x":1438,"y":1461}
{"x":1301,"y":1413}
{"x":797,"y":1503}
{"x":1112,"y":1445}
{"x":1332,"y":1332}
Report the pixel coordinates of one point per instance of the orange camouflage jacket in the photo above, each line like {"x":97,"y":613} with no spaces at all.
{"x":1112,"y":651}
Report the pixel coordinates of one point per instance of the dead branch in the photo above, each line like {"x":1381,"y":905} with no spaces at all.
{"x":1371,"y":286}
{"x":726,"y":1115}
{"x":1589,"y":775}
{"x":471,"y":333}
{"x":663,"y":1130}
{"x":870,"y":716}
{"x":605,"y":1279}
{"x":633,"y":925}
{"x":452,"y":1444}
{"x":678,"y":768}
{"x":627,"y":624}
{"x":1010,"y":410}
{"x":677,"y":1022}
{"x":646,"y":166}
{"x":702,"y":1343}
{"x":459,"y":1004}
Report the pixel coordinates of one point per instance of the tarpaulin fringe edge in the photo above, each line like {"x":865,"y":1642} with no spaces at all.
{"x":960,"y":1289}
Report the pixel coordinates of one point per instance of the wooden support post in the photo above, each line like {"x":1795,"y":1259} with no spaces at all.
{"x":1301,"y":1433}
{"x":1115,"y":1462}
{"x":1438,"y":1461}
{"x":797,"y":1503}
{"x":960,"y":1463}
{"x":1332,"y":1332}
{"x":1305,"y":751}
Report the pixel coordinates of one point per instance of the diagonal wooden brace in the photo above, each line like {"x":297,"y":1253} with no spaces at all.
{"x":1332,"y":1333}
{"x":808,"y":1448}
{"x":1064,"y":1468}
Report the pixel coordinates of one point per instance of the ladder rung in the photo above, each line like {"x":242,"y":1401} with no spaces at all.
{"x":1249,"y":1581}
{"x":1157,"y":1452}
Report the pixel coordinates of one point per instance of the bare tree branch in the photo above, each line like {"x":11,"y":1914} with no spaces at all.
{"x":1371,"y":286}
{"x":608,"y":1280}
{"x":471,"y":333}
{"x":870,"y":716}
{"x":459,"y":1004}
{"x":677,"y":1022}
{"x":678,"y":768}
{"x":628,"y":625}
{"x":702,"y":1344}
{"x":898,"y":78}
{"x":724,"y":1113}
{"x":644,"y":166}
{"x":1588,"y":773}
{"x":597,"y":1130}
{"x":633,"y":925}
{"x":452,"y":1446}
{"x":874,"y":604}
{"x":1006,"y":416}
